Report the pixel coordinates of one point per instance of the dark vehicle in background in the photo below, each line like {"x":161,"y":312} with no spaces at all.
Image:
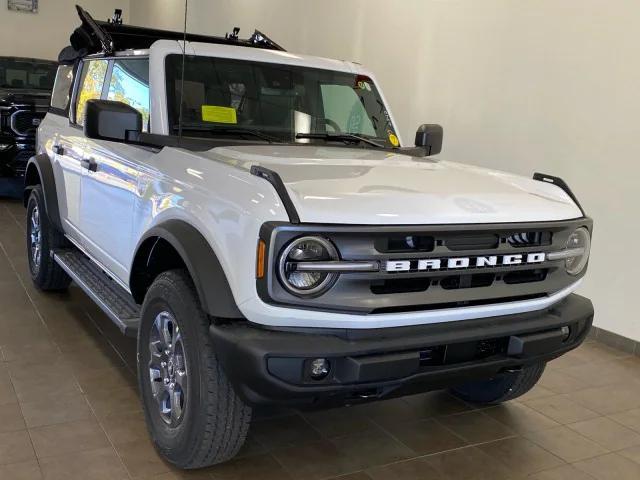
{"x":25,"y":91}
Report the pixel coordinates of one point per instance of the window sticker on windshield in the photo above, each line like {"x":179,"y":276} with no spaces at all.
{"x":216,"y":114}
{"x":362,"y":85}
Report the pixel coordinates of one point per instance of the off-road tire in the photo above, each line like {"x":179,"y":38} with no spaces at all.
{"x":48,"y":275}
{"x":215,"y":421}
{"x":501,"y":388}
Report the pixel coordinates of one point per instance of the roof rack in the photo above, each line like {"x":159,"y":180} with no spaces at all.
{"x":107,"y":37}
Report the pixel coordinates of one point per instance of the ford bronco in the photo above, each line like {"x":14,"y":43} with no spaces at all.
{"x":254,"y":218}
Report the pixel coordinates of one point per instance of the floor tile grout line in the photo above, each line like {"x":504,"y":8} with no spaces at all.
{"x":20,"y":225}
{"x":109,"y":342}
{"x":418,"y":457}
{"x":284,"y":467}
{"x":33,"y":303}
{"x":113,"y":446}
{"x":577,"y":433}
{"x":59,"y":351}
{"x":11,"y":264}
{"x":570,"y":464}
{"x":610,"y":417}
{"x":568,"y":425}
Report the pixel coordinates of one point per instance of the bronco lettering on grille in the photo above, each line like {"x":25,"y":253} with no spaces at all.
{"x":463,"y":262}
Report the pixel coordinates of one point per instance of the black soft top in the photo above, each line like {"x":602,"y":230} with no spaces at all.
{"x":108,"y":37}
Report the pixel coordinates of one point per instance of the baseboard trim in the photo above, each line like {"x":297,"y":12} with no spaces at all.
{"x":614,"y":340}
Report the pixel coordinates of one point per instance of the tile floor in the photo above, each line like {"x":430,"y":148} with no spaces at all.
{"x":69,"y":410}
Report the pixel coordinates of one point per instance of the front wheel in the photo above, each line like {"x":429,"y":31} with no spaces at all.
{"x":42,"y":238}
{"x":501,"y":388}
{"x":193,"y":414}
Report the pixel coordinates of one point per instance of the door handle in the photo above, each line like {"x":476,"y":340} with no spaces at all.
{"x":58,"y":150}
{"x":90,"y":164}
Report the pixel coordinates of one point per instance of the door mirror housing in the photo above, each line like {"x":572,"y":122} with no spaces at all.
{"x":429,"y":137}
{"x":113,"y":121}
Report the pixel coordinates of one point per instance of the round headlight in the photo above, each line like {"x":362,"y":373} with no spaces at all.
{"x":580,"y":239}
{"x":307,"y":249}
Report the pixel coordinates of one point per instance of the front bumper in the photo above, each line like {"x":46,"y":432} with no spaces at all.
{"x":13,"y":160}
{"x":271,"y":367}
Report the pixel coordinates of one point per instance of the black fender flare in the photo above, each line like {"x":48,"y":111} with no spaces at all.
{"x":203,"y":265}
{"x":40,"y":171}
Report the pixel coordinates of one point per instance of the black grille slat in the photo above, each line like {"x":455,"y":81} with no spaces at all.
{"x":400,"y":285}
{"x":472,"y":242}
{"x":525,"y":276}
{"x":529,"y":239}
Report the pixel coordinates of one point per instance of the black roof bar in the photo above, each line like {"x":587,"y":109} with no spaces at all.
{"x":95,"y":36}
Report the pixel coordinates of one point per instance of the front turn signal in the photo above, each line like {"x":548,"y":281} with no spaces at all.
{"x":260,"y":259}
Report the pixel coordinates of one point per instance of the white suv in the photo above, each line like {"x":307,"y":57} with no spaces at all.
{"x":253,"y":217}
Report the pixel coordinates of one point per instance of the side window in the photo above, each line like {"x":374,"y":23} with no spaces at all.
{"x":91,"y":83}
{"x":130,"y":84}
{"x":342,"y":105}
{"x":61,"y":87}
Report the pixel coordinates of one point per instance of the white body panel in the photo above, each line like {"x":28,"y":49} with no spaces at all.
{"x":368,"y":187}
{"x":138,"y":188}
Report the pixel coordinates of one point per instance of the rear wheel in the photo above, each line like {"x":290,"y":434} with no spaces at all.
{"x":193,"y":414}
{"x":501,"y":388}
{"x":42,"y":238}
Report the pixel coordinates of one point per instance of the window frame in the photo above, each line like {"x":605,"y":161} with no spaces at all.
{"x":73,"y":103}
{"x":109,"y":75}
{"x":73,"y":111}
{"x":64,"y":111}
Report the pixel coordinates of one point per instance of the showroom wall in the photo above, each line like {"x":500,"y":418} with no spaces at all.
{"x":521,"y":86}
{"x":44,"y":34}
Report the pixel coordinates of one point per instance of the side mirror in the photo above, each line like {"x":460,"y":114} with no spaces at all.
{"x":107,"y":120}
{"x":429,"y":136}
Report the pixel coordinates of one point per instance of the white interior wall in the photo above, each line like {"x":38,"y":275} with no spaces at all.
{"x":44,"y":34}
{"x":521,"y":86}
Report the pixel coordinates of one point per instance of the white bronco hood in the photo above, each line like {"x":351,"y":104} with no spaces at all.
{"x":363,"y":186}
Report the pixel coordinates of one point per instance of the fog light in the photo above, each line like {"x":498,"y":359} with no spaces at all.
{"x":566,"y":333}
{"x":319,"y":368}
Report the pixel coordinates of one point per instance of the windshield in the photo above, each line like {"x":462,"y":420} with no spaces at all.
{"x":25,"y":73}
{"x":285,"y":102}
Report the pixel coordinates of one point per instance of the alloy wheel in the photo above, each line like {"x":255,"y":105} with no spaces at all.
{"x":35,"y":237}
{"x":168,"y":368}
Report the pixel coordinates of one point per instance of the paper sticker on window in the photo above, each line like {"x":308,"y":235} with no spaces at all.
{"x":216,"y":114}
{"x":362,"y":85}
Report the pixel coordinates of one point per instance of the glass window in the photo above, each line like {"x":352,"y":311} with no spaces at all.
{"x":91,"y":81}
{"x":343,"y":108}
{"x":130,"y":84}
{"x":61,"y":87}
{"x":18,"y":73}
{"x":273,"y":99}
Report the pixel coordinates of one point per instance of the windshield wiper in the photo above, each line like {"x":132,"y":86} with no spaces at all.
{"x":229,"y":131}
{"x":339,"y":137}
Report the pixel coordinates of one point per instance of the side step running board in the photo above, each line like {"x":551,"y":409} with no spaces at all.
{"x":114,"y":300}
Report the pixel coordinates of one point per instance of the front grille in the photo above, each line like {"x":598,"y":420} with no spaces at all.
{"x":414,"y":287}
{"x":25,"y":122}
